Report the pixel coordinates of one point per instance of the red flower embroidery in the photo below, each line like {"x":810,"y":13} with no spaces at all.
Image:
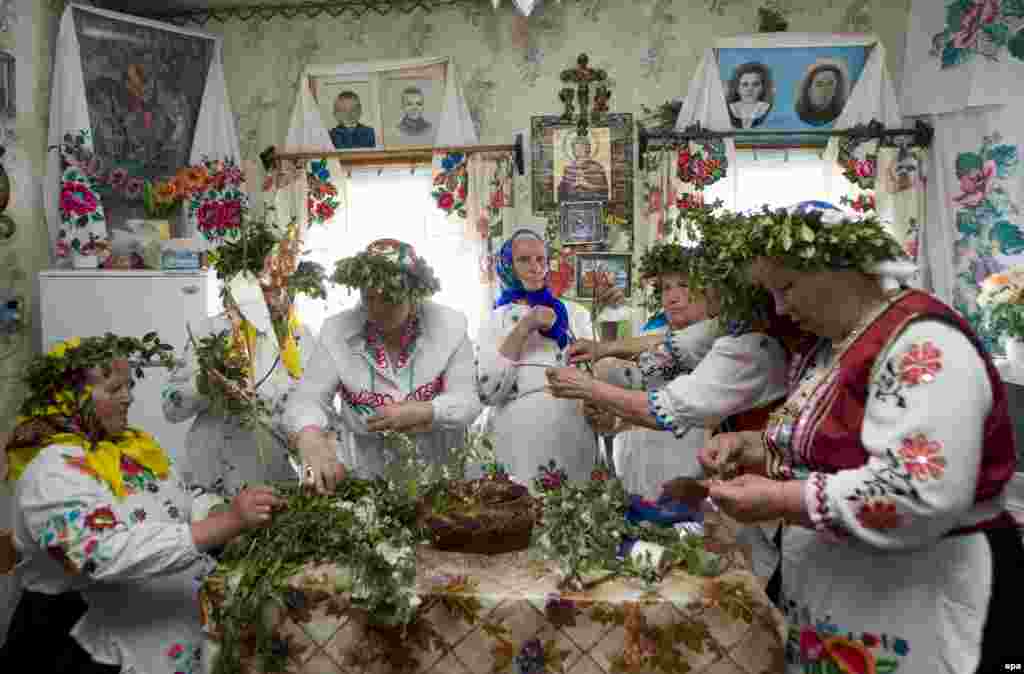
{"x":922,"y":458}
{"x":811,"y":646}
{"x":130,"y":467}
{"x":920,"y":364}
{"x":446,"y":201}
{"x":101,"y":518}
{"x":879,"y":513}
{"x":91,"y":546}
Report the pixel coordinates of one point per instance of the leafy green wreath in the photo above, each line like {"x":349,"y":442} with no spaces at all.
{"x":396,"y":284}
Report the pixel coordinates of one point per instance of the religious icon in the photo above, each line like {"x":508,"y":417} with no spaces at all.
{"x":584,"y":167}
{"x":582,"y":222}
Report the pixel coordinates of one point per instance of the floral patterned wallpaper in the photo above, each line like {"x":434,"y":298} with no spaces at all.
{"x":509,"y":64}
{"x":28,"y":30}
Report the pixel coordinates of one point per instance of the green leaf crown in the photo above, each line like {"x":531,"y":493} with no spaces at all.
{"x":396,"y":282}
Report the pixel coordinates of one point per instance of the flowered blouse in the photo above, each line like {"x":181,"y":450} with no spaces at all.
{"x":133,"y":559}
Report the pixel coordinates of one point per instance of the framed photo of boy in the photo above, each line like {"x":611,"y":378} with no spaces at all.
{"x":789,"y":88}
{"x":566,"y":168}
{"x":593,"y":269}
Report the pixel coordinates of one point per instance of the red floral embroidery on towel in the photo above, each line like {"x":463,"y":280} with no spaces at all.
{"x":922,"y":458}
{"x":920,"y":364}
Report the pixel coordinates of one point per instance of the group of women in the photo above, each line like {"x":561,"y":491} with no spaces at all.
{"x":869,"y":422}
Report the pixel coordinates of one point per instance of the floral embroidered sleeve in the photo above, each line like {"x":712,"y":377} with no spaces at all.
{"x":739,"y":373}
{"x":181,"y":401}
{"x":459,"y":404}
{"x":927,"y":401}
{"x":73,"y":518}
{"x":495,"y":375}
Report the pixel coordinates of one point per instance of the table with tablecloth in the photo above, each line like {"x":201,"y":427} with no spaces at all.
{"x":505,"y":613}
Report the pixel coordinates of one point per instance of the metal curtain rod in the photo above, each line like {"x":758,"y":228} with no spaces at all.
{"x":395,"y":156}
{"x":922,"y":134}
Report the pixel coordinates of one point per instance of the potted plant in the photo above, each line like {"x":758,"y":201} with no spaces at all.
{"x":1002,"y":303}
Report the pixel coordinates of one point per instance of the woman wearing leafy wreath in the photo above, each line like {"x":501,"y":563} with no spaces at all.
{"x":398,"y":361}
{"x":889,"y":461}
{"x":729,"y":368}
{"x":241,"y":366}
{"x":103,"y":515}
{"x":645,"y":458}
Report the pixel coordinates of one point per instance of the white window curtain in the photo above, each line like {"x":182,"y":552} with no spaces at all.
{"x":778,"y":178}
{"x":395,"y":203}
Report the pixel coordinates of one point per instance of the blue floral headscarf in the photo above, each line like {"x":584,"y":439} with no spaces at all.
{"x":512,"y":290}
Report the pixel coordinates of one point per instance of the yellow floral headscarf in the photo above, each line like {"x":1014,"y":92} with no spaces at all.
{"x":58,"y":409}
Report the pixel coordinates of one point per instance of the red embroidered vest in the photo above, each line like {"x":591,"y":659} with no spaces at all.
{"x":836,"y":445}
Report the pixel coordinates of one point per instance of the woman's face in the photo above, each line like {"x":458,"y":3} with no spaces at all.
{"x":681,"y":308}
{"x":387,"y":316}
{"x":823,"y":88}
{"x":750,"y":87}
{"x":530,"y":262}
{"x":112,"y":396}
{"x":806,"y":297}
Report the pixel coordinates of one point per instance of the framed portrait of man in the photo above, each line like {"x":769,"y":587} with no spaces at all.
{"x":350,"y":111}
{"x":410,"y":110}
{"x":789,"y":88}
{"x":596,"y":167}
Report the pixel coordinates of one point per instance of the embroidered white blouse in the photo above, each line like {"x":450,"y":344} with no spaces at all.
{"x":222,"y":455}
{"x":437,"y":368}
{"x":133,"y":560}
{"x":881,"y":570}
{"x":530,"y":426}
{"x":727,"y":375}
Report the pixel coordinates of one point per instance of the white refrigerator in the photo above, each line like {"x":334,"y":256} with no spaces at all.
{"x":86,"y":303}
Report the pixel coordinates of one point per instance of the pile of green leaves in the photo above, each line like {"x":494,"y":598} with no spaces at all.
{"x":66,"y":363}
{"x":366,"y":527}
{"x":583,"y":527}
{"x":364,"y":271}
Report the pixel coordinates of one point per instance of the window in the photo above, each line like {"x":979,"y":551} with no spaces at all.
{"x":778,"y":178}
{"x":395,"y":203}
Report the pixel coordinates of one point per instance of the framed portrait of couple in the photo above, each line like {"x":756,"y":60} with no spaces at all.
{"x":379,"y":110}
{"x":789,"y":89}
{"x":582,"y":176}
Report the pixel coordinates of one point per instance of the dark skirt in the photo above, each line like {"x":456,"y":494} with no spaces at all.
{"x":40,"y":640}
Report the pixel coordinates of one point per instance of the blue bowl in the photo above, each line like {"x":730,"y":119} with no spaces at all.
{"x":665,"y":513}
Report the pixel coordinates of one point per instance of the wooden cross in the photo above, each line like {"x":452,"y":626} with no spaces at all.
{"x":582,"y":77}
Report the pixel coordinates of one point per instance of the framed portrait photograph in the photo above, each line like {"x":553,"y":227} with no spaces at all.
{"x":350,"y":108}
{"x":567,"y":168}
{"x":593,"y":269}
{"x":789,"y":88}
{"x":410,"y":110}
{"x":582,"y":222}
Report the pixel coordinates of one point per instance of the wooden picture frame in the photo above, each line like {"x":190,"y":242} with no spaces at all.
{"x":550,"y":136}
{"x":619,"y":265}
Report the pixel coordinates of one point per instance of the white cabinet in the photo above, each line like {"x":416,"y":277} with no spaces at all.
{"x":86,"y":303}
